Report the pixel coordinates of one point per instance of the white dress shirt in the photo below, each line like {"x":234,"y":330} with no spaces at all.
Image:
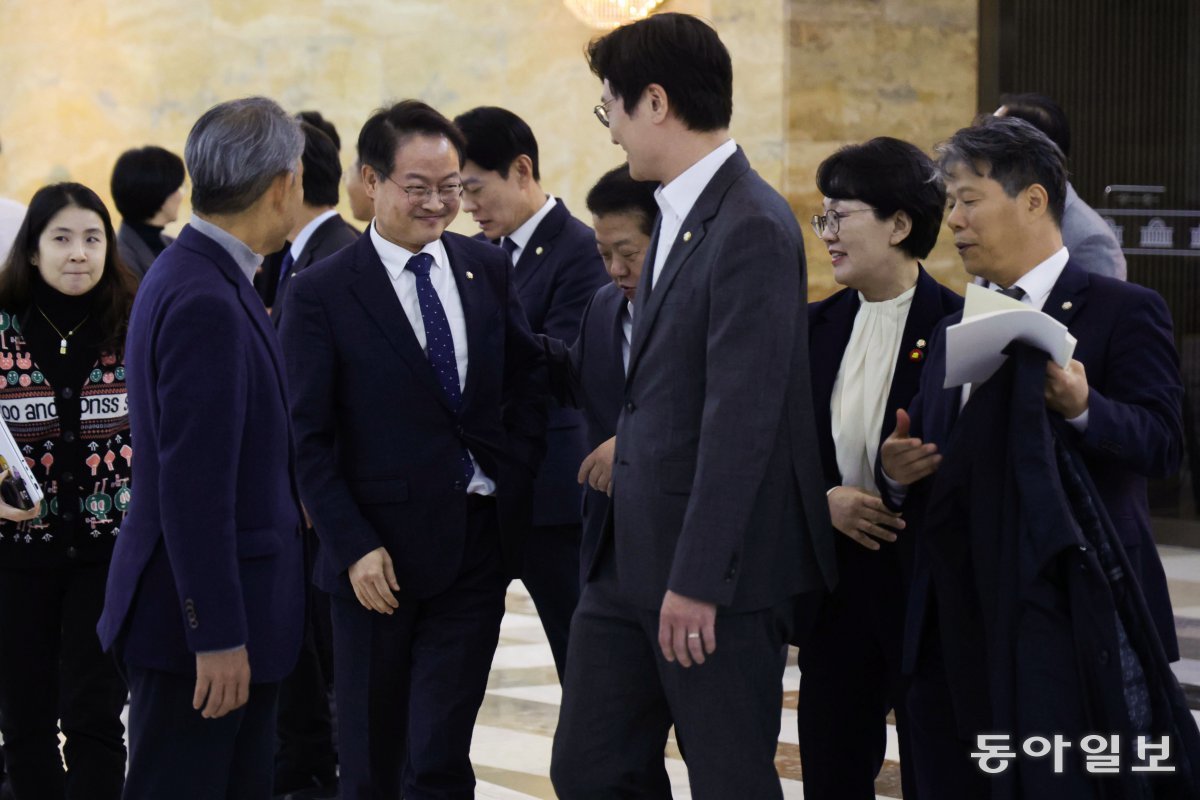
{"x":521,"y":236}
{"x":626,"y":334}
{"x":307,"y":231}
{"x":404,"y":282}
{"x":675,"y":200}
{"x":864,"y":381}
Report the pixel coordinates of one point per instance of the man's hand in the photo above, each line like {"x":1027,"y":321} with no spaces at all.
{"x":861,"y":516}
{"x":907,"y":460}
{"x":596,"y":469}
{"x":374,"y":581}
{"x":1066,"y":389}
{"x":222,"y":682}
{"x":686,"y":629}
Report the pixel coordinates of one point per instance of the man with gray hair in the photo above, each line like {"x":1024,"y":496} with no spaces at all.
{"x":205,"y":600}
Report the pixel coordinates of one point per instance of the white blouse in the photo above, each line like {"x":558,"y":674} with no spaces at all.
{"x":864,"y":381}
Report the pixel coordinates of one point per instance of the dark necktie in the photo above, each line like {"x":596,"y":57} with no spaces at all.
{"x":285,"y":267}
{"x":1014,"y":291}
{"x":439,"y":343}
{"x":510,"y":247}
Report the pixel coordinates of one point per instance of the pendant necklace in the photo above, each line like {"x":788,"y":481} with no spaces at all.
{"x":62,"y":337}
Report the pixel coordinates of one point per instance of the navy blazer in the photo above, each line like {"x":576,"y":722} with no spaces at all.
{"x":590,"y":375}
{"x":210,"y":555}
{"x":1134,"y":432}
{"x":556,"y":275}
{"x":330,"y":236}
{"x":377,"y":442}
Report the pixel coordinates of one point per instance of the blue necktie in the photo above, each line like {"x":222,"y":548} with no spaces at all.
{"x":285,"y":267}
{"x":439,"y":344}
{"x":510,"y":247}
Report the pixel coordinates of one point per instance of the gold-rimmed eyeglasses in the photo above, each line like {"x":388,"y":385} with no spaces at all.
{"x":601,"y":111}
{"x":831,"y":220}
{"x":419,"y":195}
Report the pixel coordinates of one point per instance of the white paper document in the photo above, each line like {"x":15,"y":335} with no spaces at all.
{"x":991,"y":321}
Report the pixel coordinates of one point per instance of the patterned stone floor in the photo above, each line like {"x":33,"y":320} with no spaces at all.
{"x":511,"y":750}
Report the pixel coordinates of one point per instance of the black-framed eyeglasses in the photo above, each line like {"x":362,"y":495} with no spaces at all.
{"x":831,"y":220}
{"x":601,"y":111}
{"x":418,"y":195}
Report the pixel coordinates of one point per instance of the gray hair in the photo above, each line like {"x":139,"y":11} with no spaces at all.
{"x":236,"y":149}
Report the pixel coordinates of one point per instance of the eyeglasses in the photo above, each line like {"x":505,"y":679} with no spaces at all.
{"x":419,"y":195}
{"x":601,"y":111}
{"x":831,"y":220}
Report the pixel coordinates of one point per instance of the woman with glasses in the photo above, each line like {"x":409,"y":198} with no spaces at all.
{"x":882,"y":210}
{"x":64,"y":307}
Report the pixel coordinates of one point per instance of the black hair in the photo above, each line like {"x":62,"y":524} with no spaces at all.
{"x":680,"y":53}
{"x":322,"y":167}
{"x":143,"y":179}
{"x":495,"y":137}
{"x":1042,"y":113}
{"x":326,"y":127}
{"x":113,"y":296}
{"x":389,"y":128}
{"x":1013,"y":153}
{"x":617,"y":193}
{"x":889,"y":175}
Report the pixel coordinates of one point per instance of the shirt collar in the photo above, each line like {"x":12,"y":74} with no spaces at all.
{"x":246,"y":259}
{"x":1038,"y":282}
{"x":395,"y":258}
{"x":678,"y":196}
{"x":523,"y":234}
{"x":307,"y":231}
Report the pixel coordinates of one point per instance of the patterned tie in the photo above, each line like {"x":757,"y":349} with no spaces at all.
{"x":285,"y":266}
{"x":439,"y":344}
{"x":510,"y":247}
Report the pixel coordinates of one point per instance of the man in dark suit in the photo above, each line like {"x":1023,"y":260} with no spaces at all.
{"x":320,"y":231}
{"x":1120,"y":398}
{"x":418,"y":398}
{"x":883,"y":208}
{"x":306,"y":758}
{"x":205,"y":598}
{"x":719,"y":509}
{"x":590,"y":374}
{"x":557,"y":270}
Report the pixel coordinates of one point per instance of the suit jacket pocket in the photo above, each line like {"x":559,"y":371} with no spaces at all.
{"x":676,"y":477}
{"x":379,"y":491}
{"x":257,"y":542}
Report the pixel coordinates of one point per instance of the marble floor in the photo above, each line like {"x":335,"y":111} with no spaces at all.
{"x":511,"y":750}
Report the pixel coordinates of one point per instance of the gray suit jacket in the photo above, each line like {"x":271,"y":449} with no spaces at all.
{"x":134,"y":252}
{"x":718,"y":491}
{"x":1090,"y":240}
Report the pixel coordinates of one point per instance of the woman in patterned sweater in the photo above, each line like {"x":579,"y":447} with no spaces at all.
{"x":64,"y":306}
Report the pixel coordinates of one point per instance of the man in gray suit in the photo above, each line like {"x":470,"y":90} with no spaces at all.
{"x":719,"y":517}
{"x":1085,"y":234}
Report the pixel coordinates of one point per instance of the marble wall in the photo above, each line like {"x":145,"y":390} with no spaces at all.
{"x":86,"y":80}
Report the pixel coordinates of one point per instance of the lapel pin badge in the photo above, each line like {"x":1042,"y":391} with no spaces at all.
{"x":916,"y":355}
{"x":1066,"y":306}
{"x":920,"y":342}
{"x":687,"y":236}
{"x":539,"y":251}
{"x":470,"y":276}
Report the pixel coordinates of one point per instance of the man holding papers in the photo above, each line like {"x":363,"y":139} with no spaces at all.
{"x":1117,"y":404}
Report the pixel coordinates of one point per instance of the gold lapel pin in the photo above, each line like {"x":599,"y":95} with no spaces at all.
{"x":687,"y":236}
{"x":539,"y":251}
{"x":470,"y":276}
{"x":1066,"y":306}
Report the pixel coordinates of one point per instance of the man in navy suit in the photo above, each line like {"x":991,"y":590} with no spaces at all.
{"x":556,"y":272}
{"x":1120,"y":397}
{"x":720,"y":519}
{"x":418,"y":399}
{"x":205,"y":599}
{"x":590,"y":374}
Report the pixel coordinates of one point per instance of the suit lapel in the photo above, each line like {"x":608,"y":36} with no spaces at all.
{"x":373,"y":288}
{"x":616,"y":371}
{"x":923,"y":315}
{"x":474,"y":313}
{"x":691,"y":235}
{"x":541,"y":245}
{"x":1068,"y":295}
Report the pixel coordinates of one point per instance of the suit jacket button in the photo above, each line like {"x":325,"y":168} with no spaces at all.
{"x":68,"y":516}
{"x":66,"y":393}
{"x":629,"y":406}
{"x":68,"y":436}
{"x":72,"y":552}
